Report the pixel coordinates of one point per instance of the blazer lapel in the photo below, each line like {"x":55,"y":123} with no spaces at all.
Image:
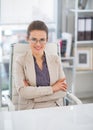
{"x":52,"y":68}
{"x":30,"y":69}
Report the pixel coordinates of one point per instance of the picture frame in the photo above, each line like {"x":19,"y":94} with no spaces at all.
{"x":84,"y":58}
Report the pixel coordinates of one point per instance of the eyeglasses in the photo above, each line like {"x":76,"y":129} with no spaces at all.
{"x":41,"y":41}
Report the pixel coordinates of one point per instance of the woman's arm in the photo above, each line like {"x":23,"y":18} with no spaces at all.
{"x":57,"y":93}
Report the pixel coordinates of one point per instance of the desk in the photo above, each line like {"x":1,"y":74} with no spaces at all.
{"x":77,"y":117}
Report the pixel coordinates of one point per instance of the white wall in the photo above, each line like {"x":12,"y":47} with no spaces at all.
{"x":24,"y":11}
{"x":84,"y":84}
{"x":15,"y":11}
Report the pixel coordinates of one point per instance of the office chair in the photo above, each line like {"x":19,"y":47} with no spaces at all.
{"x":19,"y":49}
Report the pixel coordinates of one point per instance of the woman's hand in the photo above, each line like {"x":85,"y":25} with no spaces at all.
{"x":59,"y":85}
{"x":26,"y":83}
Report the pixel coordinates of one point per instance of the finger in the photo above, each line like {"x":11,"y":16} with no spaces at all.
{"x":28,"y":83}
{"x":61,"y":80}
{"x":64,"y":86}
{"x":25,"y":83}
{"x":63,"y":89}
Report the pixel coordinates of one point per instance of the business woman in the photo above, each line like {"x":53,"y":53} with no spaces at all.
{"x":39,"y":77}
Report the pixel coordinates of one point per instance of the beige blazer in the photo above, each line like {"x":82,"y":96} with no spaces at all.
{"x":36,"y":97}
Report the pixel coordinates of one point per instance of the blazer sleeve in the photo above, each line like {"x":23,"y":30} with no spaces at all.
{"x":54,"y":96}
{"x":61,"y":71}
{"x":29,"y":92}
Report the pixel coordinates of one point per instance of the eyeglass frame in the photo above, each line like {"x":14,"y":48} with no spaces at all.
{"x":35,"y":40}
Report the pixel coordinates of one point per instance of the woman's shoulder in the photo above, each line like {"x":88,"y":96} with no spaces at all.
{"x":22,"y":57}
{"x":53,"y":57}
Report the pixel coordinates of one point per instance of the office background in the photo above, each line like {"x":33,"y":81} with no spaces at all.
{"x":15,"y":15}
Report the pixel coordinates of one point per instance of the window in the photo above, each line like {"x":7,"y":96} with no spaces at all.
{"x":19,"y":11}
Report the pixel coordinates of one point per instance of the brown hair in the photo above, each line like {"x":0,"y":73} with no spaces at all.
{"x":37,"y":25}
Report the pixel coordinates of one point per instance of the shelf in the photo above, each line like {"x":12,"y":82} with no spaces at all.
{"x":69,"y":67}
{"x":82,"y":10}
{"x":85,"y":72}
{"x":85,"y":42}
{"x":67,"y":58}
{"x":75,"y":13}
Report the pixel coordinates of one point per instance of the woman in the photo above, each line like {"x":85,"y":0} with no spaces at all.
{"x":39,"y":78}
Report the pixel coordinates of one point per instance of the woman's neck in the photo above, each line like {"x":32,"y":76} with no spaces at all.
{"x":38,"y":57}
{"x":39,"y":60}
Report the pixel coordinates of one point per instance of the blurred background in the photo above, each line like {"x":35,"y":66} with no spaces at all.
{"x":63,"y":20}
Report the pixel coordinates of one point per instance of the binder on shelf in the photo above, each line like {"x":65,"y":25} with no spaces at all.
{"x":81,"y":28}
{"x":67,"y":44}
{"x":92,"y":29}
{"x":63,"y":47}
{"x":88,"y":28}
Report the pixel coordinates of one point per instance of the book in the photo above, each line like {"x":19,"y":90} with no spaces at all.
{"x":63,"y":47}
{"x":67,"y":43}
{"x":81,"y":29}
{"x":88,"y":28}
{"x":92,"y":29}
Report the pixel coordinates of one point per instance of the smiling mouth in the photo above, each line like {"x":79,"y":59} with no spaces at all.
{"x":38,"y":48}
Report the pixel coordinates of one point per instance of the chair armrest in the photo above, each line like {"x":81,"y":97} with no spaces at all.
{"x":73,"y":98}
{"x":11,"y":107}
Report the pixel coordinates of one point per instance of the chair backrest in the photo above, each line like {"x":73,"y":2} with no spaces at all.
{"x":19,"y":49}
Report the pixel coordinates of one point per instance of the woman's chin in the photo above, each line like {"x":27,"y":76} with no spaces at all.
{"x":38,"y":51}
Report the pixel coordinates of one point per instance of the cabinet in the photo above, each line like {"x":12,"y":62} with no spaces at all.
{"x":83,"y":49}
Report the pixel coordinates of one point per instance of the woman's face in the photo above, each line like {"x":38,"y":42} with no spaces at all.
{"x":37,"y":41}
